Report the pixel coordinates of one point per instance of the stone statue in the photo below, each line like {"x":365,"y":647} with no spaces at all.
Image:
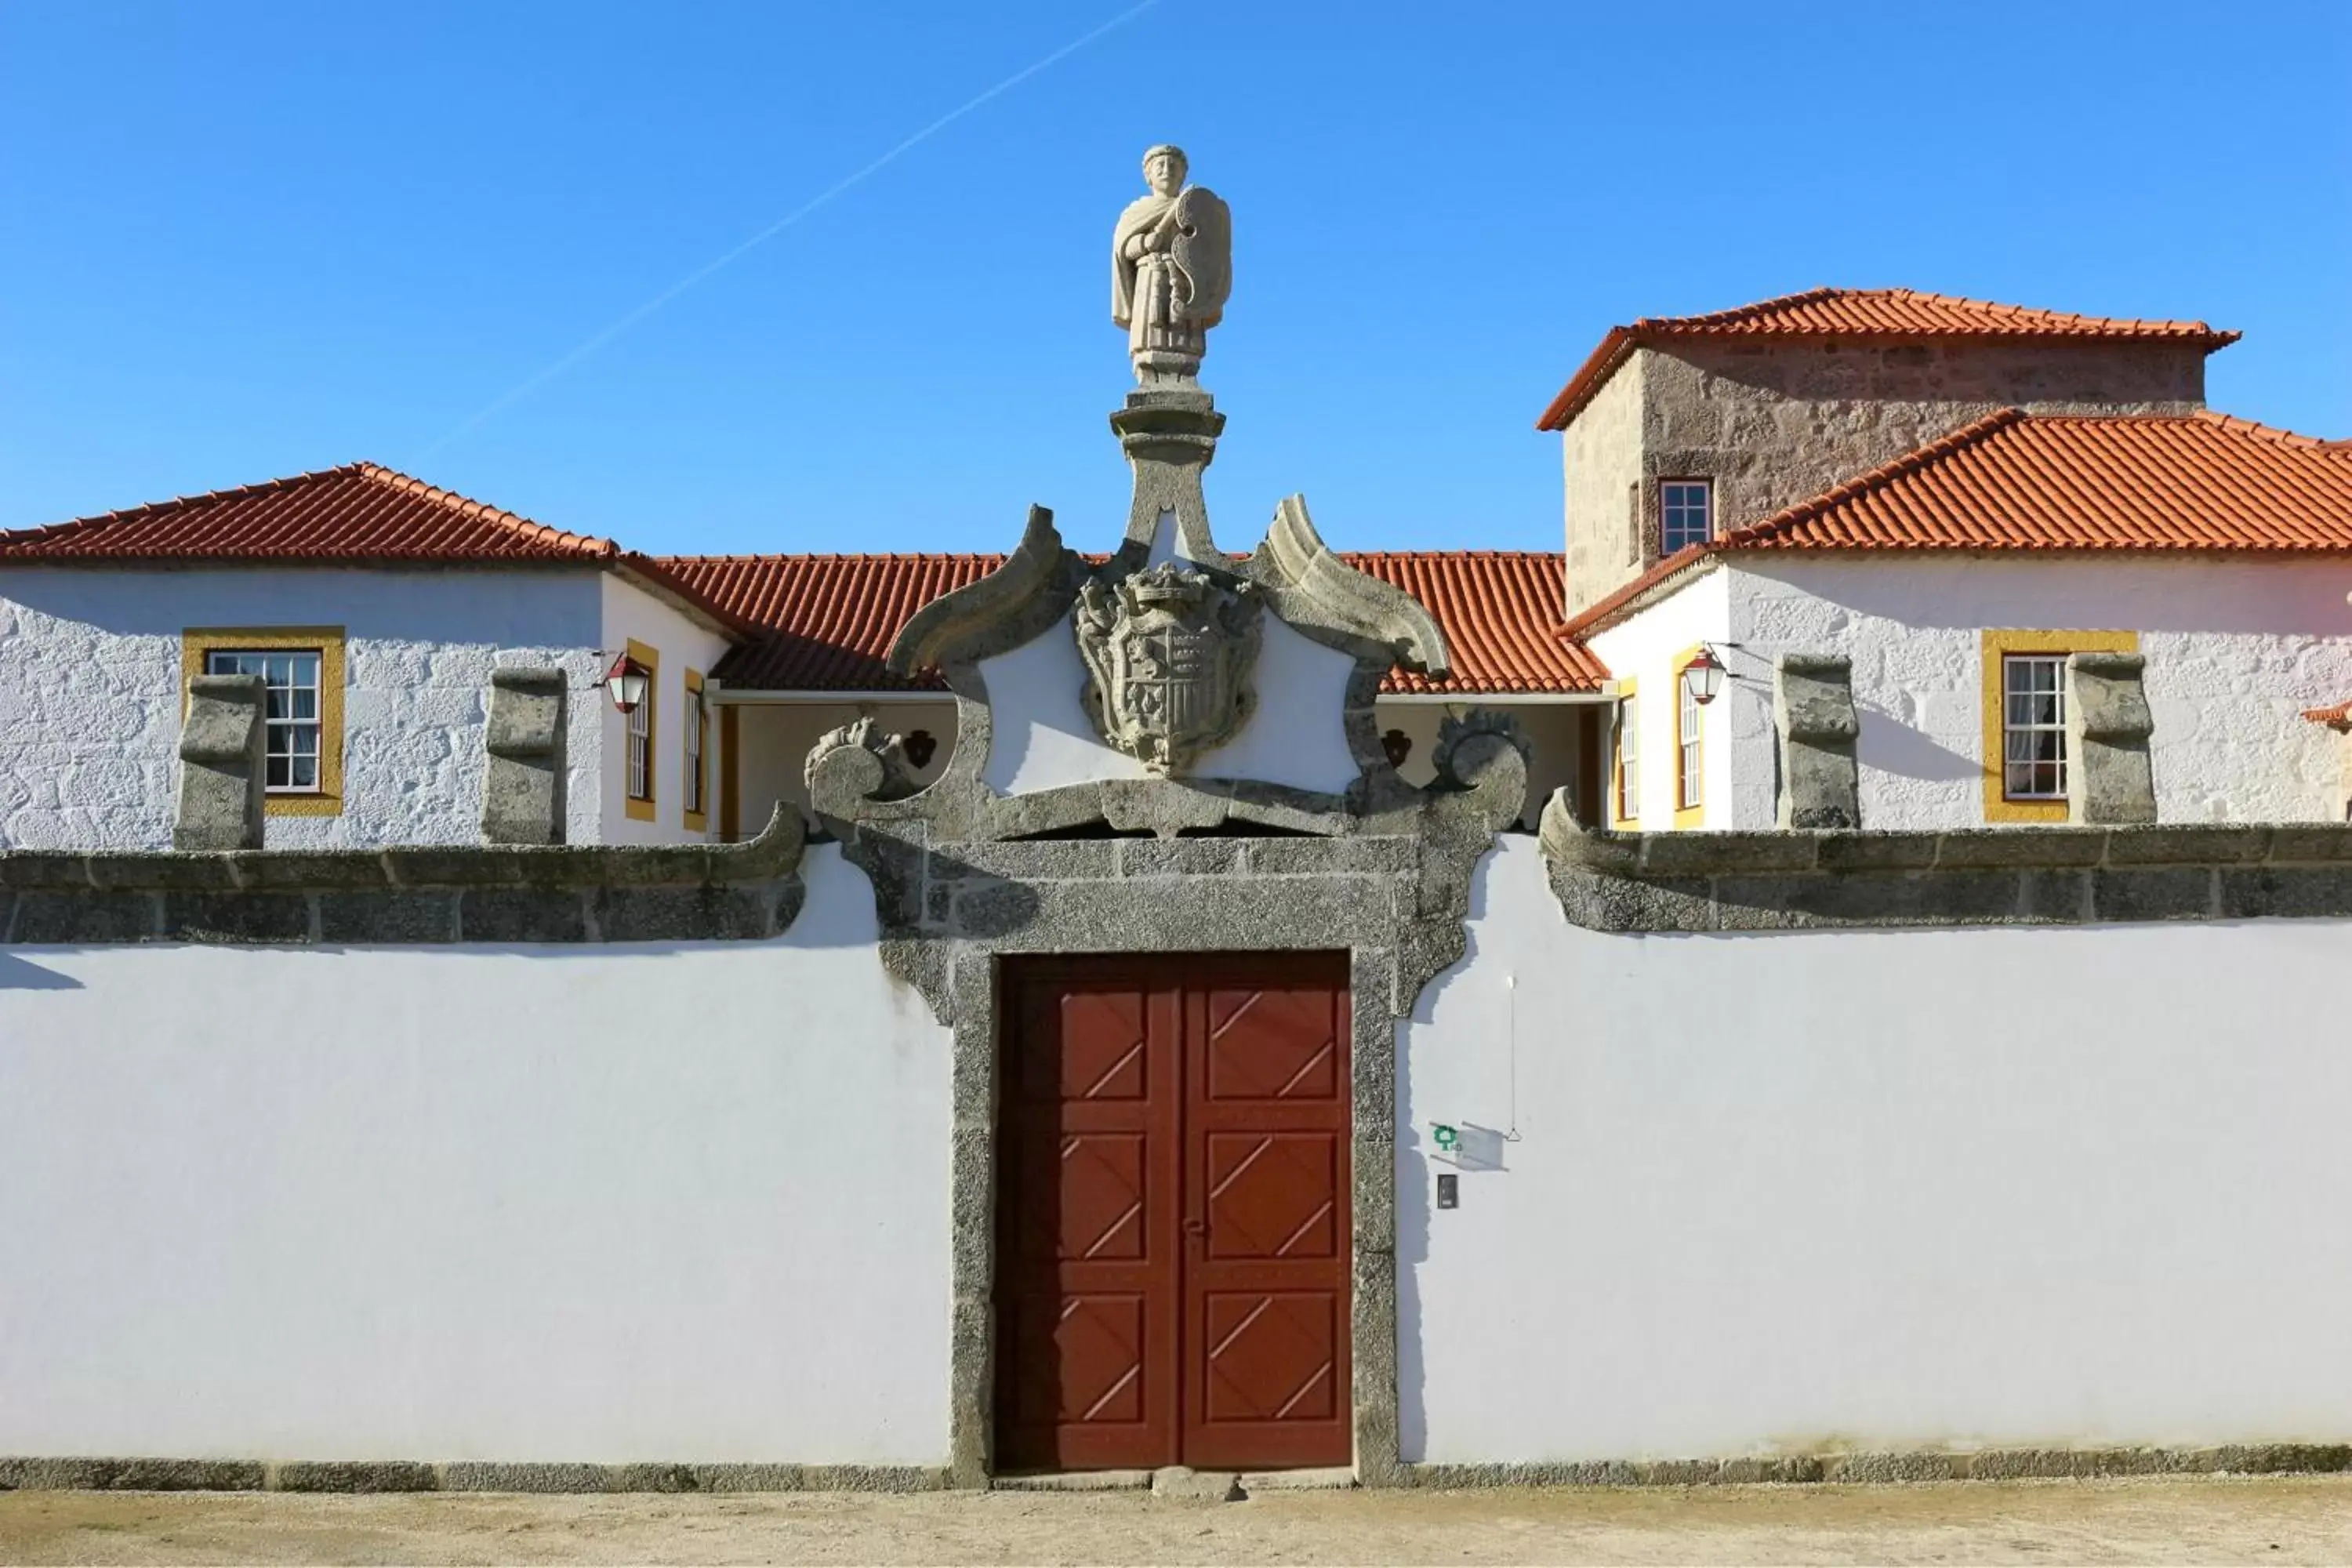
{"x":1171,"y":263}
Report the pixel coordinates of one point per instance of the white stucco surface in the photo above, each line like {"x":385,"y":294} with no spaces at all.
{"x":1042,"y":737}
{"x":676,"y":1203}
{"x":1645,"y":650}
{"x":684,"y":643}
{"x":1891,"y":1190}
{"x":90,"y":695}
{"x":2236,"y":649}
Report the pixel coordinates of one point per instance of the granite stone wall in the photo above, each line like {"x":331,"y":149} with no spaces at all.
{"x":1775,"y":424}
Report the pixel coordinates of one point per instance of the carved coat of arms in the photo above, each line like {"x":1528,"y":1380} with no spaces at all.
{"x":1168,"y":651}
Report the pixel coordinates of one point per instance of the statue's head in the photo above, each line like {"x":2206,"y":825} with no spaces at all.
{"x":1163,"y":169}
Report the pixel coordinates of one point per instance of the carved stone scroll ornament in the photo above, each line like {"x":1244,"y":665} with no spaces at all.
{"x":858,"y":761}
{"x":1169,"y":652}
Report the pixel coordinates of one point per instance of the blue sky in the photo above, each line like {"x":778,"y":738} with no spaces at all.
{"x":242,"y":240}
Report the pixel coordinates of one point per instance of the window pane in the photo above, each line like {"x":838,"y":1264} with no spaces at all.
{"x":306,"y":702}
{"x":276,"y":775}
{"x":303,"y":772}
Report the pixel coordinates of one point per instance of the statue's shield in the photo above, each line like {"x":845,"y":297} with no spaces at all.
{"x":1203,"y":253}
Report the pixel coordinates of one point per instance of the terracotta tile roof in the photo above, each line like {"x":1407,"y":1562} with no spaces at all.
{"x":2337,"y":718}
{"x":2170,"y":484}
{"x":830,"y":619}
{"x":1868,"y":314}
{"x":358,"y":513}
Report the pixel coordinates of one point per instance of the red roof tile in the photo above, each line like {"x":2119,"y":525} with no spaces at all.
{"x":831,"y":618}
{"x":1864,"y":314}
{"x":2337,"y":718}
{"x":358,"y":513}
{"x":2172,"y":484}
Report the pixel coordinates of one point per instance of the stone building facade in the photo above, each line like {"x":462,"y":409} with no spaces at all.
{"x":1776,"y":403}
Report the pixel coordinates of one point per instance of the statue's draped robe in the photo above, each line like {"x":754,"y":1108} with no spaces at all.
{"x":1143,"y":288}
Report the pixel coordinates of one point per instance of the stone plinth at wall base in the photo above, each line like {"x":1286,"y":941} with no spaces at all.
{"x":1868,"y":1468}
{"x":465,"y":1475}
{"x":695,"y":892}
{"x":1893,"y":1467}
{"x":223,"y":775}
{"x":2055,"y":875}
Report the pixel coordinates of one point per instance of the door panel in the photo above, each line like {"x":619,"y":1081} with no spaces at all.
{"x":1173,"y":1233}
{"x":1267,"y":1238}
{"x":1087,"y":1223}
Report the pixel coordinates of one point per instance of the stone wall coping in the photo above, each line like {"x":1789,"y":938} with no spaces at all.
{"x":1797,"y":880}
{"x":1660,"y":854}
{"x":776,"y":852}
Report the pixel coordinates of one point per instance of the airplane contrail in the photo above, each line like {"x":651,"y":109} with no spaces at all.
{"x":540,"y":378}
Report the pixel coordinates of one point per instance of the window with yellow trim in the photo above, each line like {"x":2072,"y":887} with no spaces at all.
{"x":301,"y":670}
{"x":2024,"y":676}
{"x":697,"y":732}
{"x":1690,"y":740}
{"x":637,"y":747}
{"x":1628,"y":789}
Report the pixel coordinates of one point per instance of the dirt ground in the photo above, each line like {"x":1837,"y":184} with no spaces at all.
{"x":2286,"y":1520}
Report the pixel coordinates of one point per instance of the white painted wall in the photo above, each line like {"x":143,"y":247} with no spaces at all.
{"x":89,"y":694}
{"x":669,"y":1202}
{"x":775,"y":739}
{"x":1644,"y":649}
{"x":1776,"y":1193}
{"x":2236,"y":649}
{"x":1555,"y":751}
{"x":683,"y":642}
{"x":1042,"y":739}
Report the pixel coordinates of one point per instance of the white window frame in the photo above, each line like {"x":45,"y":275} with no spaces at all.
{"x":697,"y":721}
{"x":1690,"y":754}
{"x":2037,"y":740}
{"x":1629,"y":759}
{"x":282,"y":726}
{"x":640,"y":748}
{"x":1674,"y":509}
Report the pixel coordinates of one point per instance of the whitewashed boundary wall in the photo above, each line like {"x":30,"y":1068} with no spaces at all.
{"x":590,"y":1168}
{"x":1936,"y":1190}
{"x":605,"y":1203}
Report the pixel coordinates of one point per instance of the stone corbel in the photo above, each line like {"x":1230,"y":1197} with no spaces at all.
{"x":1813,"y":715}
{"x":522,"y":788}
{"x":2110,"y":778}
{"x":222,"y":773}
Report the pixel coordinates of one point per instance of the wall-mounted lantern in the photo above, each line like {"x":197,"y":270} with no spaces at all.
{"x":626,"y":682}
{"x":1704,"y":675}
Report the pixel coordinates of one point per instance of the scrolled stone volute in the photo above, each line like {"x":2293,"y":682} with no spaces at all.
{"x":856,"y":763}
{"x":522,"y":786}
{"x":223,"y":776}
{"x":2110,"y":776}
{"x":1814,"y":719}
{"x":1484,"y":753}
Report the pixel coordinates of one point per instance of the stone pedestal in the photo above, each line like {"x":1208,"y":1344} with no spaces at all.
{"x":223,"y":775}
{"x":2109,"y":776}
{"x":1169,"y":435}
{"x":522,"y":790}
{"x":1814,"y":714}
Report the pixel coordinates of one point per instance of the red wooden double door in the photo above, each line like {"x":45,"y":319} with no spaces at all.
{"x":1173,"y":1227}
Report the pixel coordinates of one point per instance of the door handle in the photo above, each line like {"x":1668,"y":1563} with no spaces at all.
{"x":1196,"y":1227}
